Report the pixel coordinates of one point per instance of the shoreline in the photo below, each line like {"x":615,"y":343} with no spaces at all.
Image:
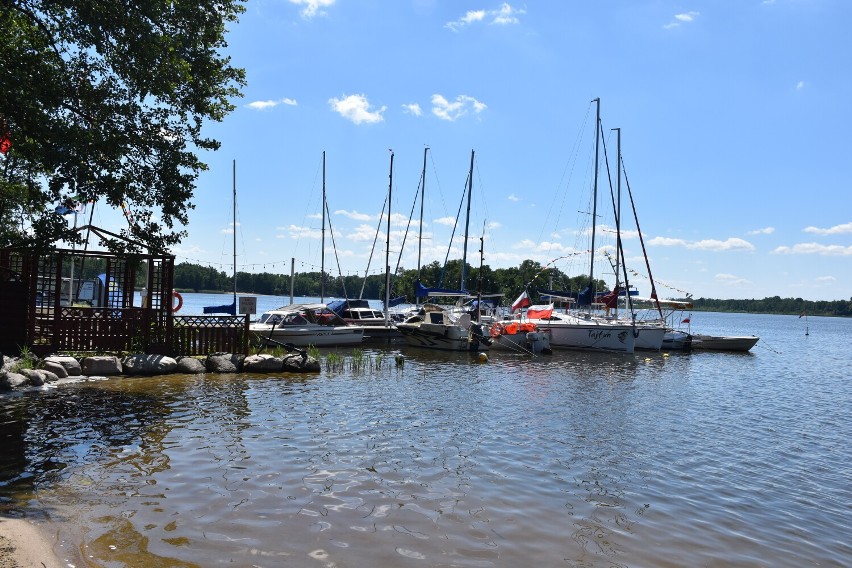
{"x":24,"y":544}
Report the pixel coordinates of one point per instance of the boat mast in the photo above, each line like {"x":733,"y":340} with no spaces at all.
{"x":618,"y":256}
{"x":595,"y":202}
{"x":467,"y":222}
{"x":422,"y":201}
{"x":387,"y":245}
{"x":234,"y":184}
{"x":322,"y":246}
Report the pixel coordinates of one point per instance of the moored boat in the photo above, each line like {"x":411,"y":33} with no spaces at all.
{"x":522,"y":337}
{"x":434,"y":328}
{"x":301,"y":325}
{"x":724,"y":342}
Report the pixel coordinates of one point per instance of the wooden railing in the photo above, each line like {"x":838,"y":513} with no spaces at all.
{"x":202,"y":335}
{"x":139,"y":330}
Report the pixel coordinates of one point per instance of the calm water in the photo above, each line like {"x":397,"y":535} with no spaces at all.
{"x":702,"y":459}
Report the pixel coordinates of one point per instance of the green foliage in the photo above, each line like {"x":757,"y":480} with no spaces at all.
{"x":777,"y":305}
{"x":27,"y":360}
{"x":105,"y":101}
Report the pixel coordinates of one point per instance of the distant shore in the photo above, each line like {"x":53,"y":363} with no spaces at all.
{"x":24,"y":544}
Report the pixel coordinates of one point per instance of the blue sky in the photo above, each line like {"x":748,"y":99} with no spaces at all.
{"x":734,"y":116}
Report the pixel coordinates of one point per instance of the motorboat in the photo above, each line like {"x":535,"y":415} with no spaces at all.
{"x":435,"y":328}
{"x":301,"y":325}
{"x":520,"y":337}
{"x":724,"y":342}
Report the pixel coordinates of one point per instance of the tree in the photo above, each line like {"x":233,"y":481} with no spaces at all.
{"x":104,"y":100}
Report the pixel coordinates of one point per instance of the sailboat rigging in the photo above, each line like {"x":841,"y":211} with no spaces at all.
{"x":230,"y":308}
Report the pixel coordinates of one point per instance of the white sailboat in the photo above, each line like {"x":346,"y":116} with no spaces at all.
{"x":585,"y":330}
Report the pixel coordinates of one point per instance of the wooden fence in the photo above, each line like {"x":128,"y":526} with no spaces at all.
{"x":138,"y":330}
{"x":202,"y":335}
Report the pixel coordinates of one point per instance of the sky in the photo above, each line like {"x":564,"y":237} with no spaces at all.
{"x":734,"y":119}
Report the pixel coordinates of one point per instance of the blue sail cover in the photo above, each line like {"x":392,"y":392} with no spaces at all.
{"x":420,"y":291}
{"x":226,"y":309}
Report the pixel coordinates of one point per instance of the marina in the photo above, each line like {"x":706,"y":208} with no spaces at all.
{"x":416,"y":457}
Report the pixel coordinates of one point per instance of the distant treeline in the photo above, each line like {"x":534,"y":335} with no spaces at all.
{"x":777,"y":305}
{"x":509,"y":282}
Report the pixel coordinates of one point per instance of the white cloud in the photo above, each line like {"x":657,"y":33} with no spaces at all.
{"x":763,"y":231}
{"x":835,"y":230}
{"x":705,"y":244}
{"x":506,"y":15}
{"x":354,"y":215}
{"x":356,"y":108}
{"x":469,"y":18}
{"x":446,"y":221}
{"x":502,"y":16}
{"x":826,"y":279}
{"x":513,"y":197}
{"x":412,"y":108}
{"x":297,"y":232}
{"x":715,"y":245}
{"x":667,"y":242}
{"x":684,"y":18}
{"x":800,"y":85}
{"x":313,"y":7}
{"x":265,"y":105}
{"x":451,"y":111}
{"x":815,"y":248}
{"x":731,"y":280}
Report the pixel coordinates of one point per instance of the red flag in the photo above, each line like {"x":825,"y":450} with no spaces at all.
{"x":5,"y":140}
{"x":522,"y":302}
{"x":610,"y":300}
{"x":684,"y":320}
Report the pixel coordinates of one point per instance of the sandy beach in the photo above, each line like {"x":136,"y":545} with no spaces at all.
{"x":25,"y":545}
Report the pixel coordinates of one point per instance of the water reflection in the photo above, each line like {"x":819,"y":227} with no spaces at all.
{"x":577,"y":459}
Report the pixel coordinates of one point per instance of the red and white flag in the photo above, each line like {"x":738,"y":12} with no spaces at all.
{"x":522,"y":302}
{"x":540,"y":312}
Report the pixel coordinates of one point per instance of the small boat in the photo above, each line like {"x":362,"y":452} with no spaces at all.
{"x":724,"y":342}
{"x":301,"y":325}
{"x":521,"y":337}
{"x":434,"y":328}
{"x":676,"y":340}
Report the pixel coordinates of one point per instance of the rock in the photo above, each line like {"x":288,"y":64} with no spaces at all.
{"x":35,"y":378}
{"x":223,"y":363}
{"x":57,"y":369}
{"x":190,"y":366}
{"x":38,"y":377}
{"x":142,"y":364}
{"x":262,"y":363}
{"x":297,"y":364}
{"x":9,"y":380}
{"x":101,"y":365}
{"x":71,"y":365}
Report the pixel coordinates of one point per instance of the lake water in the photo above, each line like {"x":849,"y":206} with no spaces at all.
{"x":582,"y":460}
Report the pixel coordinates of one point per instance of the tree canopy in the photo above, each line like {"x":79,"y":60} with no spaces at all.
{"x":104,"y":101}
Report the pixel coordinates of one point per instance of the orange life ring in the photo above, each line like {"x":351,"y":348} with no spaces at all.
{"x":496,"y":329}
{"x":179,"y":298}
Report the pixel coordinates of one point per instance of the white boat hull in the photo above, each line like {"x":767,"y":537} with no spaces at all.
{"x":328,"y":336}
{"x":572,"y":332}
{"x":649,"y":337}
